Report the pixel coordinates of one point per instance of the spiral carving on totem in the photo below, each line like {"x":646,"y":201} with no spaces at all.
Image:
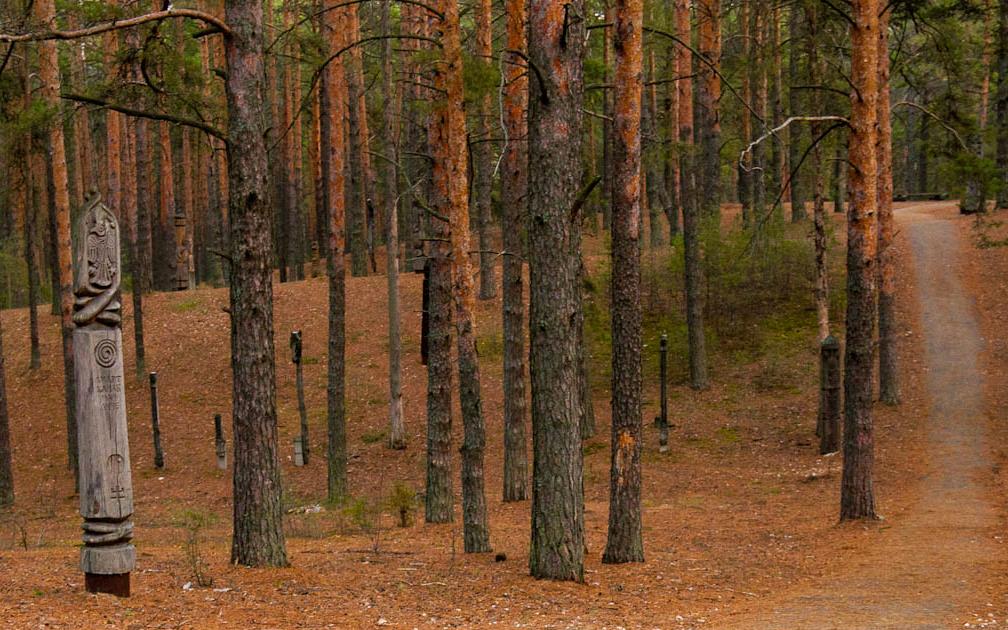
{"x":98,"y":267}
{"x":105,"y":353}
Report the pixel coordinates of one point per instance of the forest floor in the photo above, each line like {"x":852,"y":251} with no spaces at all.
{"x":740,"y":517}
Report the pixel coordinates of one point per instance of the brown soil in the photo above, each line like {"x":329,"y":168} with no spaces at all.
{"x":740,"y":516}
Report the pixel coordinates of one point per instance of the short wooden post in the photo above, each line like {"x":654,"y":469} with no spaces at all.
{"x":295,"y":346}
{"x":663,"y":422}
{"x":106,"y":486}
{"x":156,"y":422}
{"x":828,"y":423}
{"x":220,"y":446}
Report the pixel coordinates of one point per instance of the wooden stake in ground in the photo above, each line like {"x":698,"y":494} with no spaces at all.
{"x":106,"y":497}
{"x":295,"y":346}
{"x":220,"y":444}
{"x":155,"y":411}
{"x":663,"y":423}
{"x":828,"y":425}
{"x":625,"y":543}
{"x":857,"y":496}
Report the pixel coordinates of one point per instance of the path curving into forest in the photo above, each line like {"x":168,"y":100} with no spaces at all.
{"x":922,"y":571}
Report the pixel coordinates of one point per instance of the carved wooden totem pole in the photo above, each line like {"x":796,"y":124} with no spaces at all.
{"x":106,"y":488}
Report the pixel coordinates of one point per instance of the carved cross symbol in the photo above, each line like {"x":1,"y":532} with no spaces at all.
{"x":116,"y":462}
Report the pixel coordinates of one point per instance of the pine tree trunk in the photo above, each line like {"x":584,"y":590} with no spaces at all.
{"x":165,"y":245}
{"x":144,"y":198}
{"x":624,"y":542}
{"x":45,"y":12}
{"x":397,"y":429}
{"x":775,"y":103}
{"x":889,"y":390}
{"x":796,"y":106}
{"x":514,"y":186}
{"x":32,"y":207}
{"x":745,"y":172}
{"x":1002,"y":104}
{"x":819,"y":201}
{"x":655,"y":192}
{"x":857,"y":497}
{"x":557,"y":541}
{"x":258,"y":538}
{"x":6,"y":464}
{"x":450,"y":186}
{"x":673,"y":164}
{"x":691,"y":228}
{"x":333,"y":106}
{"x":483,"y":155}
{"x":356,"y":145}
{"x":708,"y":120}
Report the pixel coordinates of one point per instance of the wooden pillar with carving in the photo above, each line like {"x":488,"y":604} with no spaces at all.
{"x":106,"y":488}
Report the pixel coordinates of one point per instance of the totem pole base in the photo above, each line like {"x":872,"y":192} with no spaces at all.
{"x":118,"y":585}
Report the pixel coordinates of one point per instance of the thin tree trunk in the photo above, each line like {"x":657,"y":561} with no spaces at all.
{"x":1002,"y":104}
{"x":45,"y":12}
{"x":6,"y":467}
{"x":625,"y":542}
{"x":333,"y":106}
{"x":691,"y":230}
{"x":557,"y":540}
{"x":775,"y":101}
{"x":450,"y":186}
{"x":889,"y":390}
{"x":397,"y":429}
{"x":819,"y":205}
{"x":514,"y":186}
{"x":258,"y":538}
{"x":356,"y":145}
{"x":167,"y":252}
{"x":141,"y":242}
{"x":796,"y":106}
{"x":707,"y":114}
{"x":745,"y":172}
{"x":483,"y":154}
{"x":673,"y":163}
{"x":857,"y":497}
{"x":32,"y":206}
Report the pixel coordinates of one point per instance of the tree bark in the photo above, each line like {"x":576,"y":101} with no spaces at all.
{"x":6,"y":464}
{"x":357,"y":146}
{"x":333,"y":106}
{"x":1002,"y":104}
{"x":450,"y":186}
{"x":624,"y":542}
{"x":889,"y":390}
{"x":397,"y":429}
{"x":555,"y":100}
{"x":819,"y":201}
{"x":514,"y":188}
{"x":795,"y":104}
{"x":708,"y":119}
{"x":483,"y":155}
{"x":32,"y":206}
{"x":258,"y":538}
{"x":690,"y":210}
{"x":45,"y":12}
{"x":857,"y":497}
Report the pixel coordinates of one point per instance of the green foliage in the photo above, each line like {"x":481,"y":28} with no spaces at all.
{"x":401,"y":503}
{"x":373,"y":436}
{"x":194,"y":522}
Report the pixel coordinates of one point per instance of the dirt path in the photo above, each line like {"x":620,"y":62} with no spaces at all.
{"x":922,"y":569}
